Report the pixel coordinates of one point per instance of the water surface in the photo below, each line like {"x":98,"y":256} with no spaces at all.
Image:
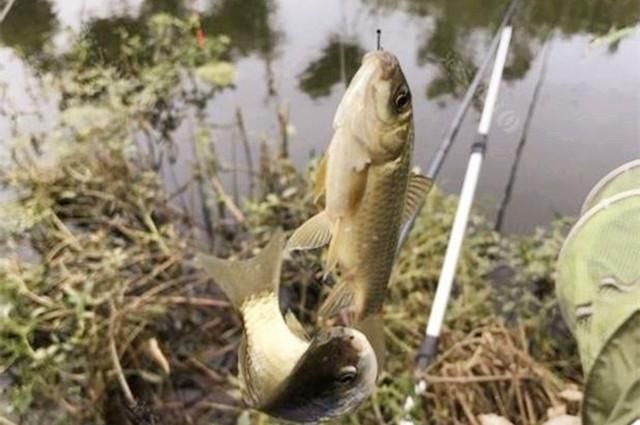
{"x":302,"y":53}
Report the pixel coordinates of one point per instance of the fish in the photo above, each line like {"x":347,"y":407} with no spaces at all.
{"x":284,"y":373}
{"x":369,"y":192}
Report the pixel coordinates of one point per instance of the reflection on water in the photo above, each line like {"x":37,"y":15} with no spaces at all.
{"x":249,"y":23}
{"x":28,"y":27}
{"x":338,"y":62}
{"x":252,"y":26}
{"x":589,"y":109}
{"x":457,"y":23}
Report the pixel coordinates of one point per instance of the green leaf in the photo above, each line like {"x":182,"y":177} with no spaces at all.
{"x":219,"y":74}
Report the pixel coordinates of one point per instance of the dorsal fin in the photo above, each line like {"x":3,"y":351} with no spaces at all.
{"x":417,"y":189}
{"x":239,"y":280}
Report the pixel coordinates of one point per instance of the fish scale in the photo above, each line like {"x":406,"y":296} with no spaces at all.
{"x":375,"y":227}
{"x":265,"y":333}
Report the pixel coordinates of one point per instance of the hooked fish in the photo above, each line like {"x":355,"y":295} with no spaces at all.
{"x":369,"y":192}
{"x":285,"y":374}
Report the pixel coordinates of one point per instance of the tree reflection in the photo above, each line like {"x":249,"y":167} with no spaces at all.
{"x":337,"y":62}
{"x":249,"y":24}
{"x":459,"y":24}
{"x":28,"y":27}
{"x":460,"y":34}
{"x":172,"y":7}
{"x":106,"y":37}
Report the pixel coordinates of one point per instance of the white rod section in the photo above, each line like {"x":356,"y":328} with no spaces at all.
{"x":447,"y":275}
{"x":456,"y":238}
{"x":6,"y":10}
{"x":455,"y":244}
{"x":494,"y":84}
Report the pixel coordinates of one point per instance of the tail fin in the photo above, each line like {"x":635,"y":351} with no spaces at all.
{"x":241,"y":279}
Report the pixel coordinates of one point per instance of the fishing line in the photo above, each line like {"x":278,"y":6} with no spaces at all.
{"x":504,"y":204}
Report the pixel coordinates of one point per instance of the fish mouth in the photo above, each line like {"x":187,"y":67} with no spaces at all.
{"x":377,"y":66}
{"x":386,"y":62}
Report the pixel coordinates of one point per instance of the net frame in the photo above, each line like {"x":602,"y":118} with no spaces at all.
{"x":584,"y":219}
{"x":595,"y":195}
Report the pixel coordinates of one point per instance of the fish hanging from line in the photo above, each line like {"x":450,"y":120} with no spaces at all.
{"x":369,"y":192}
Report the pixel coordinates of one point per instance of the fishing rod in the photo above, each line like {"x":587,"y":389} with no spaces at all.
{"x":450,"y":134}
{"x":504,"y":204}
{"x":429,"y":347}
{"x":6,"y":10}
{"x":447,"y":141}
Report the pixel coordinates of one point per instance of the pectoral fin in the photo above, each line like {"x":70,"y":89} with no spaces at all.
{"x":341,"y":297}
{"x":332,"y":252}
{"x":417,"y":190}
{"x":321,"y":177}
{"x":295,"y":326}
{"x":373,"y":328}
{"x":313,"y":233}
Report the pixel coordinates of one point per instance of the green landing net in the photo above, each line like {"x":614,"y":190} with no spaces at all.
{"x":599,"y":293}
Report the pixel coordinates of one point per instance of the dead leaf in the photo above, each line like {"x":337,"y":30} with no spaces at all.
{"x":493,"y":419}
{"x":564,"y":420}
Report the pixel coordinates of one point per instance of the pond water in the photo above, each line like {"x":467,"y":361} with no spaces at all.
{"x":302,"y":53}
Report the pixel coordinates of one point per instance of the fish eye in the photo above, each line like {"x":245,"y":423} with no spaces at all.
{"x":347,"y":375}
{"x":402,"y":99}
